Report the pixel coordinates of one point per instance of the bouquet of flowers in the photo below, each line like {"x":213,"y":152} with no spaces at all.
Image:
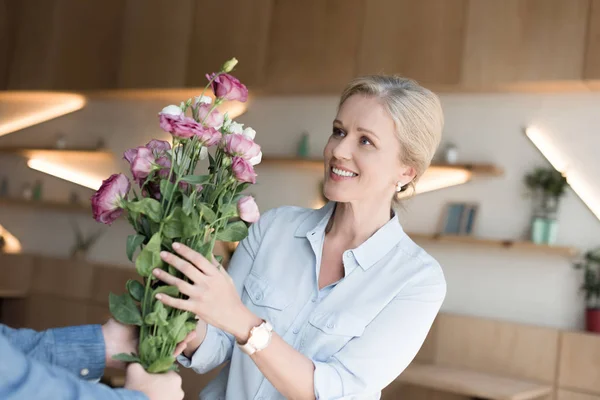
{"x":175,"y":204}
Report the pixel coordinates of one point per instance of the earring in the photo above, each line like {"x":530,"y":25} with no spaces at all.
{"x":398,"y":186}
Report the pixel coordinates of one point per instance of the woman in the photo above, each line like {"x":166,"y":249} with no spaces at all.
{"x":349,"y":297}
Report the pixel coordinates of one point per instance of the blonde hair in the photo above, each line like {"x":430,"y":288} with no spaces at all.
{"x":417,"y":115}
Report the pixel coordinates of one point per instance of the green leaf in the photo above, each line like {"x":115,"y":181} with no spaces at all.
{"x":204,"y":249}
{"x":241,"y":188}
{"x":147,"y":206}
{"x":233,"y":232}
{"x":229,"y":210}
{"x":176,"y":331}
{"x":161,"y":365}
{"x":188,"y":204}
{"x":149,"y":349}
{"x":135,"y":289}
{"x":128,"y":358}
{"x":124,"y":309}
{"x":133,"y":242}
{"x":166,"y":188}
{"x":168,"y":290}
{"x":197,"y":179}
{"x":158,"y":316}
{"x":173,"y":227}
{"x":149,"y":258}
{"x":191,"y":225}
{"x":207,"y":213}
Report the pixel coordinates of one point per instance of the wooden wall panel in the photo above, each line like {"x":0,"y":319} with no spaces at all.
{"x":524,"y":40}
{"x":580,"y":362}
{"x":592,"y":51}
{"x":62,"y":278}
{"x":15,"y":273}
{"x":32,"y":62}
{"x":87,"y":44}
{"x":571,"y":395}
{"x":226,"y":29}
{"x":6,"y":42}
{"x":497,"y":347}
{"x":155,"y":43}
{"x":422,"y":40}
{"x":313,"y":45}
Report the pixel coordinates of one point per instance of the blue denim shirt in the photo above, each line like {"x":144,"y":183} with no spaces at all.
{"x":360,"y":332}
{"x":55,"y":364}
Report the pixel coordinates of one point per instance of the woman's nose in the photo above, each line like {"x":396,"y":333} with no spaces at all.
{"x":342,"y":150}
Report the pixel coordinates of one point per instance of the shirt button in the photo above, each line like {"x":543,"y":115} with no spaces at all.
{"x":296,"y":330}
{"x":330,"y":325}
{"x":258,"y":297}
{"x":85,"y":372}
{"x":314,"y":299}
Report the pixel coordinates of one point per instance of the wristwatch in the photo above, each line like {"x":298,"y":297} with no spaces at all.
{"x":260,"y":337}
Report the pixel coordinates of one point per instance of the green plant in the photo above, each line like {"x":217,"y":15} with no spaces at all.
{"x":548,"y":185}
{"x":590,"y":264}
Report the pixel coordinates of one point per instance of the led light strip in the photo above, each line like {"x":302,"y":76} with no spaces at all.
{"x":68,"y":174}
{"x":580,"y":186}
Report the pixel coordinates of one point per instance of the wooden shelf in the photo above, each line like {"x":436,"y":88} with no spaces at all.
{"x":46,"y":205}
{"x":475,"y":169}
{"x":96,"y":154}
{"x":505,"y":244}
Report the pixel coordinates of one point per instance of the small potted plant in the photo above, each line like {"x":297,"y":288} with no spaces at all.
{"x":547,"y":186}
{"x":590,"y":264}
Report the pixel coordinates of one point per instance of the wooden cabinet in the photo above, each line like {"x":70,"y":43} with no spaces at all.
{"x":571,"y":395}
{"x":580,"y":363}
{"x":313,"y":45}
{"x":155,"y":43}
{"x":225,"y":29}
{"x":422,"y":40}
{"x":524,"y":40}
{"x":6,"y":42}
{"x":592,"y":51}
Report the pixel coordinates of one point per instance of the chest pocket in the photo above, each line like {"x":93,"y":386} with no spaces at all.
{"x":332,"y":331}
{"x":265,"y":300}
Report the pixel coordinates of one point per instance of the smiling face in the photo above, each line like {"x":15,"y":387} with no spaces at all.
{"x":362,"y":156}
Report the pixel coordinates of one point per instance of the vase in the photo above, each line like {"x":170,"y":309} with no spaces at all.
{"x":544,"y":230}
{"x":592,"y":320}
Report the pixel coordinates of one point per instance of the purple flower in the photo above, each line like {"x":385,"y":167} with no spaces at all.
{"x":248,"y":209}
{"x":158,"y":147}
{"x":209,"y":136}
{"x":142,"y":164}
{"x":106,"y":202}
{"x":214,"y":119}
{"x":183,"y":127}
{"x":241,"y":146}
{"x":228,"y":87}
{"x":243,"y":170}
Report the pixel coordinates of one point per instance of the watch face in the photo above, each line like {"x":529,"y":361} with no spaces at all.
{"x":260,"y":338}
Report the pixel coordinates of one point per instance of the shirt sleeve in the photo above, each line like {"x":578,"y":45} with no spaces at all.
{"x":80,"y":350}
{"x":23,"y":377}
{"x":217,"y":346}
{"x":369,"y":363}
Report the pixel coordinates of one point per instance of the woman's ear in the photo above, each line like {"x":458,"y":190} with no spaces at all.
{"x":407,"y":175}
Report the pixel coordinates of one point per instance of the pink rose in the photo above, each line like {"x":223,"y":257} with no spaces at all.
{"x":228,"y":87}
{"x":165,"y":164}
{"x":241,"y":146}
{"x":158,"y":147}
{"x":248,"y":209}
{"x":142,"y":164}
{"x":106,"y":202}
{"x":130,"y":154}
{"x":214,"y":119}
{"x":209,"y":136}
{"x":184,"y":127}
{"x":242,"y":170}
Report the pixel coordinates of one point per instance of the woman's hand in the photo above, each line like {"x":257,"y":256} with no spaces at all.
{"x":211,"y":291}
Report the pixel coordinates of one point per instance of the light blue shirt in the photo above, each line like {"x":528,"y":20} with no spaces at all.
{"x":360,"y":332}
{"x":55,"y":364}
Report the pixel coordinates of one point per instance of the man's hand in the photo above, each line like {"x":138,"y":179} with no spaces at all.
{"x":119,"y":338}
{"x":165,"y":386}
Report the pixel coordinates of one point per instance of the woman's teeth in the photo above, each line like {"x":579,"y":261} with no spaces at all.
{"x":343,"y":173}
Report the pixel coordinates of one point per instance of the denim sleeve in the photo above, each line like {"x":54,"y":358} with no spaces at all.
{"x":80,"y":349}
{"x":23,"y":377}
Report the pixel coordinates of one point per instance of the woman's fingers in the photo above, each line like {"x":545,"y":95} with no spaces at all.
{"x":183,"y":344}
{"x":180,"y":304}
{"x":195,"y":258}
{"x":182,"y":265}
{"x":180,"y":284}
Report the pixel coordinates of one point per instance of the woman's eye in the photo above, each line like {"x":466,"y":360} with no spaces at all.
{"x":364,"y":140}
{"x":338,"y":132}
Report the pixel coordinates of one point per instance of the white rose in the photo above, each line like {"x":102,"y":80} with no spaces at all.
{"x":249,"y":133}
{"x":203,"y":153}
{"x":256,"y":159}
{"x":203,"y":100}
{"x":175,"y":111}
{"x":236,"y":128}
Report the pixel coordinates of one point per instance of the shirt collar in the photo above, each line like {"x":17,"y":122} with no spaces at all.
{"x":369,"y":252}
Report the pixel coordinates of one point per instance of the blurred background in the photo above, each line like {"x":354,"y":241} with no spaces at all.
{"x":510,"y":206}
